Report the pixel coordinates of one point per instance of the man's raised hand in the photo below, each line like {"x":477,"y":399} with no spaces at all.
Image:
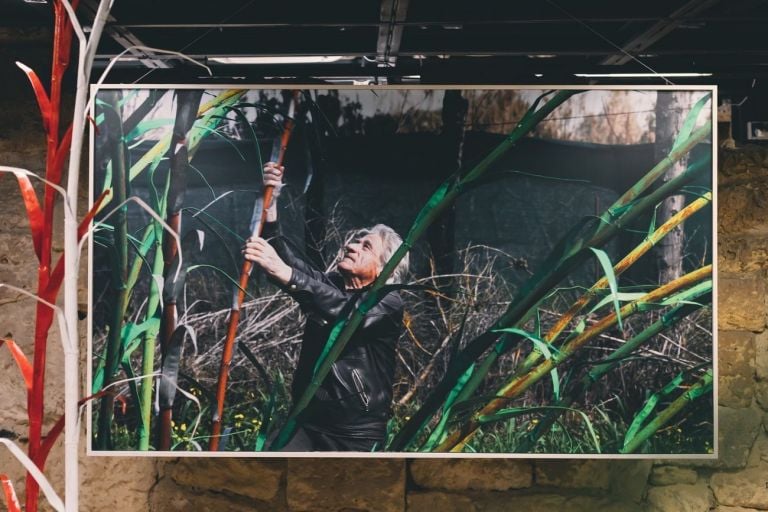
{"x":264,"y":255}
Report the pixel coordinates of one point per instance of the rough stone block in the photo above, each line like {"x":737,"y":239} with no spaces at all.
{"x":743,"y":208}
{"x":629,"y":478}
{"x":743,"y":489}
{"x":346,"y":484}
{"x":736,"y":357}
{"x":480,"y":474}
{"x":738,"y":431}
{"x":761,"y":356}
{"x":679,"y":498}
{"x":592,"y":474}
{"x":670,"y":475}
{"x":505,"y":502}
{"x":252,"y":478}
{"x":759,"y":453}
{"x":442,"y":501}
{"x":722,"y":508}
{"x":167,"y":496}
{"x":739,"y":254}
{"x":742,"y":302}
{"x":761,"y":393}
{"x":116,"y":483}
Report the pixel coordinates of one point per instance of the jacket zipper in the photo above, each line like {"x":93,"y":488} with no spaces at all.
{"x":358,"y":382}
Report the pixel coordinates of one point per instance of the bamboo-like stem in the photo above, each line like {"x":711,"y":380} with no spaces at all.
{"x":516,"y":386}
{"x":567,"y":255}
{"x":148,"y":357}
{"x":656,"y":172}
{"x":239,"y":296}
{"x":50,"y":110}
{"x":703,"y":385}
{"x":171,"y":239}
{"x":147,"y":239}
{"x":133,"y":275}
{"x":668,"y":320}
{"x":119,"y":270}
{"x":441,"y":199}
{"x":535,"y":356}
{"x":43,"y":318}
{"x":161,"y":146}
{"x":626,"y":262}
{"x":71,"y":263}
{"x":187,"y":105}
{"x":629,"y":260}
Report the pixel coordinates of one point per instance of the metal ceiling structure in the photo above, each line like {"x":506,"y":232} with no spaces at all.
{"x":430,"y":41}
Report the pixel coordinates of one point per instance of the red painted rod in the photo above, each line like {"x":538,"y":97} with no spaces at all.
{"x":245,"y":272}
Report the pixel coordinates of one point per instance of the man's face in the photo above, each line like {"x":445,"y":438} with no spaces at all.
{"x":362,"y":259}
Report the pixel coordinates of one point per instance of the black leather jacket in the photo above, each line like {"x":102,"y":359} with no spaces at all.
{"x":355,"y":398}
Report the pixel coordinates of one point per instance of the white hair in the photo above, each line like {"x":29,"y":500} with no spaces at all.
{"x":390,"y":242}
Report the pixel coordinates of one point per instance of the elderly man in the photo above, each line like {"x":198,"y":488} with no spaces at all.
{"x":353,"y":404}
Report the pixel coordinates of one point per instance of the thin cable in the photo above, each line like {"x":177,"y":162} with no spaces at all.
{"x":201,"y":36}
{"x":390,"y":32}
{"x":604,"y":38}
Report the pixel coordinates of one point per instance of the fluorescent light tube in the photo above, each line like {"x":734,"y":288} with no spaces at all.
{"x":284,"y":59}
{"x":640,"y":75}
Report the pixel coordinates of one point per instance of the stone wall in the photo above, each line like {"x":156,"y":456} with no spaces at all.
{"x":737,"y":481}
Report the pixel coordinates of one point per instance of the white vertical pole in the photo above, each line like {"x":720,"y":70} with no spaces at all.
{"x":72,"y":256}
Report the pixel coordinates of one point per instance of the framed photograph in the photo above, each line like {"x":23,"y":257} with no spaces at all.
{"x":403,"y":271}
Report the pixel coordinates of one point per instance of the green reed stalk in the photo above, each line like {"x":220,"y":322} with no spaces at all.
{"x":700,"y":388}
{"x":148,"y":358}
{"x":626,"y":262}
{"x":667,"y":321}
{"x":572,"y":250}
{"x":116,"y":145}
{"x":516,"y":386}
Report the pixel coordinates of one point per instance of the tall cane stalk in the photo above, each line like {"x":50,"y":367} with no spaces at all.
{"x":119,"y":260}
{"x":239,"y":294}
{"x":86,"y":54}
{"x":573,"y":250}
{"x":555,"y":331}
{"x":667,"y":321}
{"x":187,"y":103}
{"x":517,"y":385}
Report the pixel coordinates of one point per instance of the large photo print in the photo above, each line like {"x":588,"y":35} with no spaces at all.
{"x":382,"y":270}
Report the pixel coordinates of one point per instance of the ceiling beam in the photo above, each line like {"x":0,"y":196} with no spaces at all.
{"x":439,"y":23}
{"x":124,"y":37}
{"x":657,"y":31}
{"x":391,"y":16}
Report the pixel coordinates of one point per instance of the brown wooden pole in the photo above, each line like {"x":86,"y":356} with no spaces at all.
{"x":188,"y":103}
{"x":245,"y":273}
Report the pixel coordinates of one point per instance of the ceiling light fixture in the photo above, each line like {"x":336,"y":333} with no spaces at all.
{"x":347,"y":80}
{"x":283,"y":59}
{"x":640,"y":75}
